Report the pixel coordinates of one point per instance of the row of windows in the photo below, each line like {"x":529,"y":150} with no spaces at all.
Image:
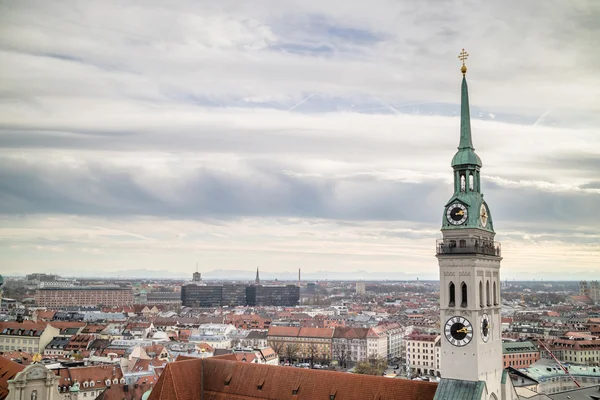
{"x":464,"y":292}
{"x":18,"y":340}
{"x":522,"y":355}
{"x":13,"y":348}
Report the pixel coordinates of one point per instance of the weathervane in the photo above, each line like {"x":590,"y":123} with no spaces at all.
{"x":463,"y":56}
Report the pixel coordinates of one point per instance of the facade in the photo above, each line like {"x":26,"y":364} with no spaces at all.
{"x":377,"y":342}
{"x":201,"y":296}
{"x":349,"y":345}
{"x":57,"y":347}
{"x":35,"y":382}
{"x":32,"y":338}
{"x":395,"y":335}
{"x":233,"y":295}
{"x":582,"y":350}
{"x":193,"y":295}
{"x":519,"y":354}
{"x":360,"y":288}
{"x":286,"y":296}
{"x":255,"y":339}
{"x":163,"y":298}
{"x":423,"y":354}
{"x":111,"y":296}
{"x":301,"y":343}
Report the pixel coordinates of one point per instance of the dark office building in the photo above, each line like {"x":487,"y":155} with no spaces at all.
{"x":201,"y":296}
{"x":287,"y":295}
{"x":234,"y":295}
{"x":239,"y":295}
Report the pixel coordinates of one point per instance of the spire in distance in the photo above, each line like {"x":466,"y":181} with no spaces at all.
{"x":257,"y":280}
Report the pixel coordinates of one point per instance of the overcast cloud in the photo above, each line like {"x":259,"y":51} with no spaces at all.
{"x":312,"y":134}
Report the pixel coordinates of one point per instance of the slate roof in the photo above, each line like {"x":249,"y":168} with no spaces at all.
{"x":218,"y":378}
{"x":586,"y":393}
{"x":455,"y":389}
{"x":257,"y":335}
{"x":519,"y":347}
{"x":350,"y":333}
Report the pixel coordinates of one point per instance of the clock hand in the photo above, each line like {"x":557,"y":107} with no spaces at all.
{"x":462,"y":330}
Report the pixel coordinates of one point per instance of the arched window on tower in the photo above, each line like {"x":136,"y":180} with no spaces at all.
{"x":495,"y":295}
{"x":463,"y":290}
{"x":462,"y":243}
{"x":452,"y":301}
{"x":471,"y":182}
{"x":462,"y":182}
{"x":487,"y":293}
{"x":480,"y":294}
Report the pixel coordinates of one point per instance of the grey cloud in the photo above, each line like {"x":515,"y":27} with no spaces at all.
{"x":510,"y":205}
{"x":263,"y":188}
{"x":94,"y":189}
{"x":591,"y":185}
{"x":585,"y":163}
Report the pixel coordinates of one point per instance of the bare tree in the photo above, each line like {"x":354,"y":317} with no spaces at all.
{"x":341,"y":354}
{"x":312,"y":352}
{"x":277,"y":347}
{"x":290,"y":350}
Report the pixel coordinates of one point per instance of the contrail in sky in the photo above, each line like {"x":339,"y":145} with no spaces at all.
{"x":302,"y":101}
{"x":544,"y":115}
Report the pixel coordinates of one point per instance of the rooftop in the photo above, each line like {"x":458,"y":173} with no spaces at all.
{"x":222,"y":377}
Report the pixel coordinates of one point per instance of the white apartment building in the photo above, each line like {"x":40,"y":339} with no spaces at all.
{"x":377,"y":342}
{"x":395,"y":336}
{"x":423,"y":354}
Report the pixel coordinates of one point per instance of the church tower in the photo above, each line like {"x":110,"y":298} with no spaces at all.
{"x":469,"y":261}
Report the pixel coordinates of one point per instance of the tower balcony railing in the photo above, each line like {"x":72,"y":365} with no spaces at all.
{"x":468,"y":246}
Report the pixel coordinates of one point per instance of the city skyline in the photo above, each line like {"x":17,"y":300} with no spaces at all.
{"x":293,"y":137}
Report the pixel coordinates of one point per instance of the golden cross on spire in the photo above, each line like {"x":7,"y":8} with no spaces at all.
{"x":463,"y":56}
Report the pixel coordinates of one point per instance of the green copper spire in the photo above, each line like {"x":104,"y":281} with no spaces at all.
{"x":465,"y":118}
{"x":466,"y":153}
{"x":466,"y":209}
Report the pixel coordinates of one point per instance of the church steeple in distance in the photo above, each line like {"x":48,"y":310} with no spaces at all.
{"x":257,"y":280}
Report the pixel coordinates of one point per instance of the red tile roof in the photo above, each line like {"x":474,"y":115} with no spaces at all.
{"x":13,"y":355}
{"x":8,"y":370}
{"x":326,"y":333}
{"x":289,"y":331}
{"x":218,"y":379}
{"x":98,"y":373}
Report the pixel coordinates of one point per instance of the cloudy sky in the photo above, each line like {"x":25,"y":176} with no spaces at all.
{"x":293,"y":134}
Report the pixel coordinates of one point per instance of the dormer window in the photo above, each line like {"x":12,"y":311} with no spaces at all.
{"x":108,"y":382}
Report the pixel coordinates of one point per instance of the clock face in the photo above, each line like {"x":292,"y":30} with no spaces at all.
{"x":485,"y":327}
{"x":458,"y":331}
{"x":483,"y":215}
{"x":456,"y":214}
